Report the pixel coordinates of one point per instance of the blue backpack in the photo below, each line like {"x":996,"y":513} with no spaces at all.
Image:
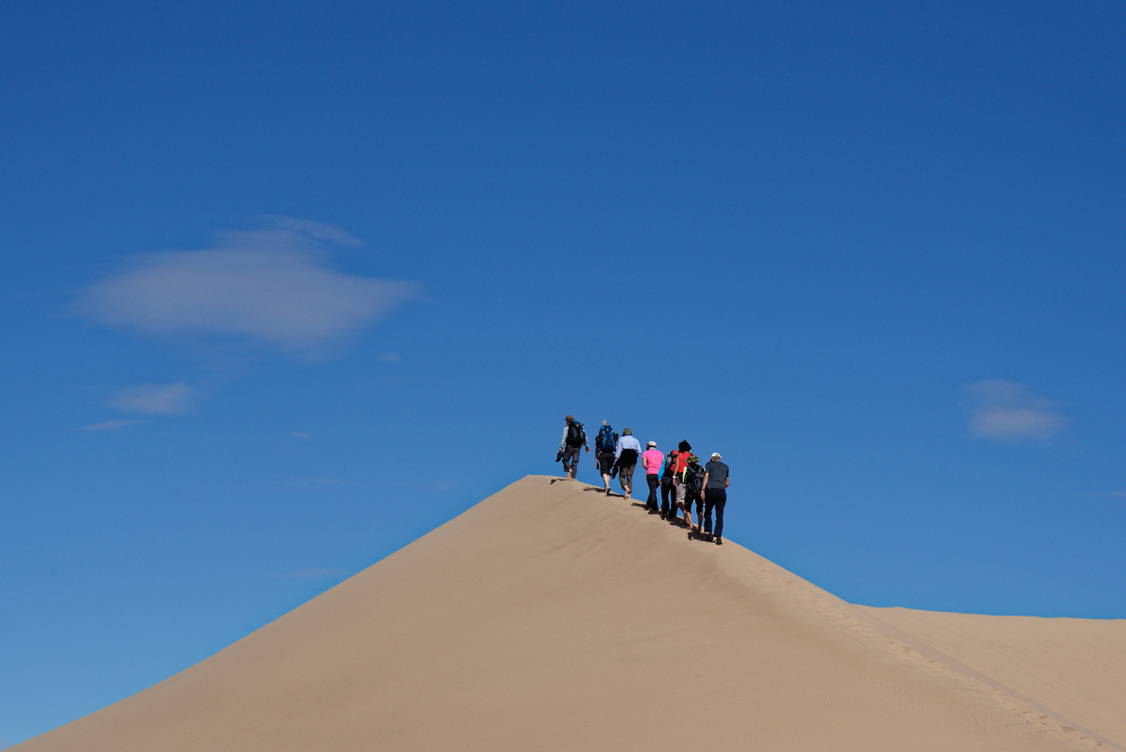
{"x":606,"y":439}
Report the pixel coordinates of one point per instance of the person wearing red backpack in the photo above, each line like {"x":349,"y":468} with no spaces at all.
{"x":679,"y":481}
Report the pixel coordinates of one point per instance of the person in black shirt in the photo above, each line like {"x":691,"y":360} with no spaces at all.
{"x":717,"y":477}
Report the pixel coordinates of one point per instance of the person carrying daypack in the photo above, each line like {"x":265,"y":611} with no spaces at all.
{"x":694,"y":482}
{"x":604,"y":444}
{"x":571,"y":446}
{"x":627,"y":451}
{"x":679,"y":470}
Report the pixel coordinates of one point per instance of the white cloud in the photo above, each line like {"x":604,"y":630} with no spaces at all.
{"x":274,"y":285}
{"x":154,"y":399}
{"x":111,"y":425}
{"x":1117,"y":494}
{"x":1008,"y":411}
{"x":390,"y":357}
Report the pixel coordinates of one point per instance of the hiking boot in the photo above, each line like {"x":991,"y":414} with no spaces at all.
{"x":719,"y":541}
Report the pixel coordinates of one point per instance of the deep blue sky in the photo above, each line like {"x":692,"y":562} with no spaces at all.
{"x":872,"y":252}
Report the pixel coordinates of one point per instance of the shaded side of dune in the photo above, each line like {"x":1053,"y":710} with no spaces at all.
{"x":551,"y":617}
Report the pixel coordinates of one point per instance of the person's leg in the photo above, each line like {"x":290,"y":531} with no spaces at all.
{"x":681,"y":494}
{"x":625,"y":475}
{"x":605,"y":462}
{"x":653,"y":481}
{"x":699,"y":512}
{"x":720,"y":504}
{"x":666,"y":491}
{"x":709,"y":502}
{"x":571,"y":460}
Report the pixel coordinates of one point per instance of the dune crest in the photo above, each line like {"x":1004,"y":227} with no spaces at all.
{"x":550,"y":617}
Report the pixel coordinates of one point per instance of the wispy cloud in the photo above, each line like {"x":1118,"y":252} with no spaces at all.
{"x":1117,"y":494}
{"x":390,"y":357}
{"x":111,"y":425}
{"x":300,"y":435}
{"x":154,"y":399}
{"x":274,"y":285}
{"x":316,"y":574}
{"x":1010,"y":411}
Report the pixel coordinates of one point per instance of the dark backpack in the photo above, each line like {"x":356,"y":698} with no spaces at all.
{"x":694,"y":477}
{"x":576,"y":437}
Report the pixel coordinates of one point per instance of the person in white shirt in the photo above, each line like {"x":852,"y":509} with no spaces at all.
{"x":626,"y":453}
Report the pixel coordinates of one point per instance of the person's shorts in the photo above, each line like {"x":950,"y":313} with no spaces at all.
{"x":605,"y":462}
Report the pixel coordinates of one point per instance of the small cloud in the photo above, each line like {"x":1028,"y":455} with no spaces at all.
{"x":1008,"y":411}
{"x":309,"y":228}
{"x":300,"y":435}
{"x":111,"y":425}
{"x":390,"y":357}
{"x":1117,"y":494}
{"x":154,"y":399}
{"x":274,"y":285}
{"x":316,"y":574}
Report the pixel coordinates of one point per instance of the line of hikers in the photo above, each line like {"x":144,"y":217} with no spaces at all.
{"x":683,"y":481}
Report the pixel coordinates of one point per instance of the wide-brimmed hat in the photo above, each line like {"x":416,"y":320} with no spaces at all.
{"x":652,"y":444}
{"x":627,"y":432}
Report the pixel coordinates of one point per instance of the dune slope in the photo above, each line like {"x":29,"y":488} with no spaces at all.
{"x":550,"y":617}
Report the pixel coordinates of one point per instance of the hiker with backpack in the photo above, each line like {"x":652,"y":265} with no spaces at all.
{"x":717,"y":478}
{"x":679,"y":469}
{"x":627,"y":452}
{"x":605,"y":447}
{"x":651,"y":461}
{"x":694,"y":483}
{"x":571,"y":446}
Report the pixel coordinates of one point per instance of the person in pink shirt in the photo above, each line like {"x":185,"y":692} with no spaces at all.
{"x":651,"y":460}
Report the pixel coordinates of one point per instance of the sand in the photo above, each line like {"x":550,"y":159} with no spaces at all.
{"x":550,"y":617}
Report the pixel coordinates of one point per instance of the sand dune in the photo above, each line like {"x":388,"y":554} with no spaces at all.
{"x":550,"y":617}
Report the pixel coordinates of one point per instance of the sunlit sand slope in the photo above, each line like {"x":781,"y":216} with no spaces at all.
{"x":1072,"y":669}
{"x":550,"y":617}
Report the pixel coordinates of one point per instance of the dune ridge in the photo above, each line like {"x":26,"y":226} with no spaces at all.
{"x":551,"y":617}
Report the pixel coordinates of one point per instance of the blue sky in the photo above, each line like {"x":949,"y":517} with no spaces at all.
{"x":288,"y":285}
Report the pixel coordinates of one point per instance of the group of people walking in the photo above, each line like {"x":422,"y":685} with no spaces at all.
{"x":683,"y":481}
